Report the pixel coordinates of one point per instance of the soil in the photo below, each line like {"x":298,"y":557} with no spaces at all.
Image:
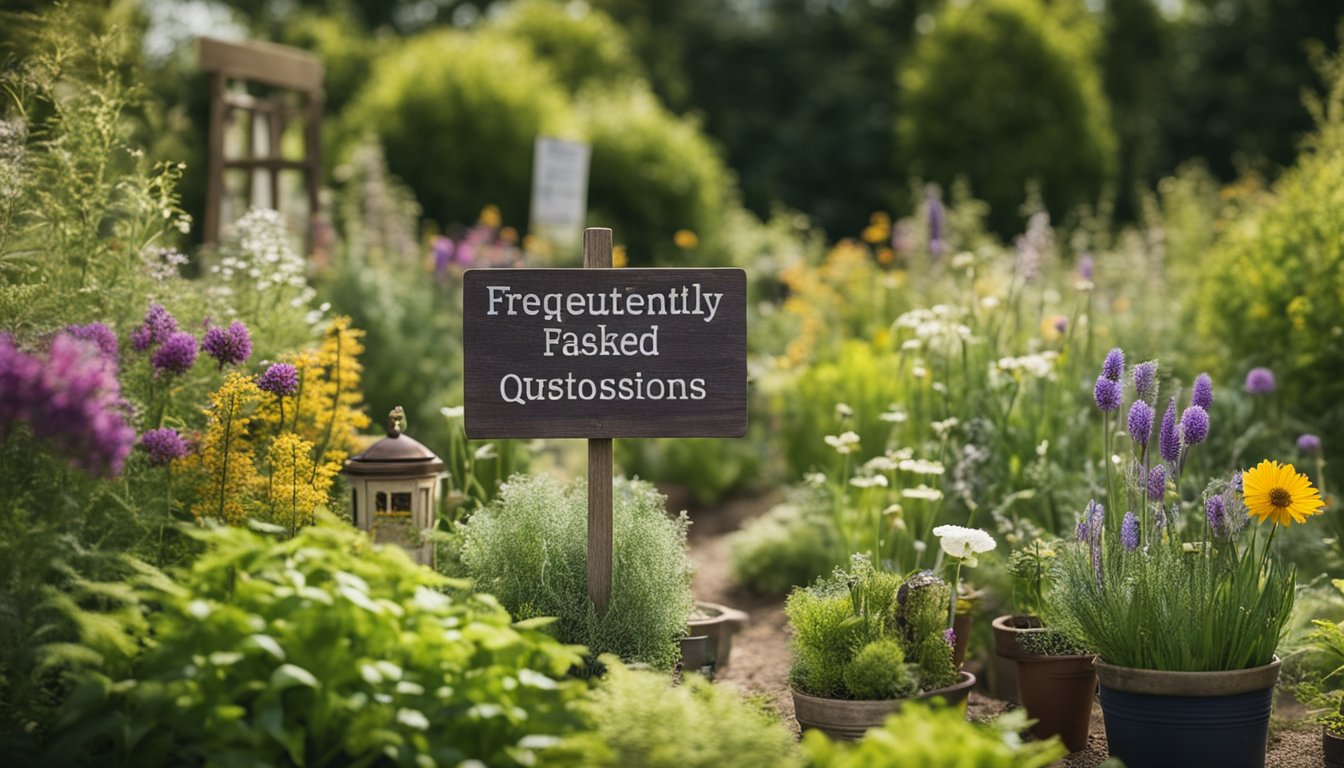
{"x":760,"y":660}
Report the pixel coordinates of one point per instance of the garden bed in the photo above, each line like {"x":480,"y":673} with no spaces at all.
{"x":761,"y":656}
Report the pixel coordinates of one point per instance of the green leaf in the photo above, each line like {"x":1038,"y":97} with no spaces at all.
{"x":288,"y":675}
{"x":537,"y":622}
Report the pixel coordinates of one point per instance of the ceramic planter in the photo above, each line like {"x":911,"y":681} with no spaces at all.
{"x":1057,"y":691}
{"x":1006,"y":651}
{"x":695,"y":654}
{"x":849,"y":719}
{"x":1176,"y":719}
{"x":719,"y":624}
{"x":1333,"y":747}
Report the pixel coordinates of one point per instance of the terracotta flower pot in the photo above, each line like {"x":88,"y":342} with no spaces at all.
{"x":849,"y":719}
{"x":1057,"y":691}
{"x":719,"y":624}
{"x":1006,"y":650}
{"x":1159,"y":719}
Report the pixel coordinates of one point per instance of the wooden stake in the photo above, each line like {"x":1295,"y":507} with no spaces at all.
{"x":597,"y":255}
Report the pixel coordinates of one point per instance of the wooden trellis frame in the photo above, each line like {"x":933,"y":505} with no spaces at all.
{"x":276,"y":66}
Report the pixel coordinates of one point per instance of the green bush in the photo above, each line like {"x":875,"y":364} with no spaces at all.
{"x":653,"y":174}
{"x":710,"y":469}
{"x":879,"y":672}
{"x":1001,"y":92}
{"x":639,"y":718}
{"x":792,"y":544}
{"x":584,"y":47}
{"x":458,"y":115}
{"x":530,"y":550}
{"x":319,"y":650}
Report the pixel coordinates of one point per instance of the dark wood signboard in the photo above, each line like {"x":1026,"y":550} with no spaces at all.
{"x":602,"y":353}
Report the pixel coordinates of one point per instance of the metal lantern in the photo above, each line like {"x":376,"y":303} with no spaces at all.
{"x":394,"y":490}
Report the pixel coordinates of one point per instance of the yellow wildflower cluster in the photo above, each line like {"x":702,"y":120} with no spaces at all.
{"x":297,"y":486}
{"x":227,"y":477}
{"x":845,"y":294}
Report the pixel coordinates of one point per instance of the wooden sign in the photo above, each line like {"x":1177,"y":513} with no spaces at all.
{"x":603,"y":353}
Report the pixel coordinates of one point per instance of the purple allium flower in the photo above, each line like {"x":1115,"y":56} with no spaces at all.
{"x":1260,"y":381}
{"x":176,"y":354}
{"x":159,"y":324}
{"x":1114,"y":366}
{"x":1203,"y":392}
{"x":163,"y":446}
{"x":1169,"y":437}
{"x":1309,"y":444}
{"x":1085,"y":267}
{"x":1129,"y":531}
{"x":281,"y":379}
{"x":1157,"y":482}
{"x":1140,"y":424}
{"x":230,"y":346}
{"x":1194,"y":425}
{"x":99,"y":334}
{"x":1108,"y":393}
{"x":936,"y":222}
{"x":1215,"y":511}
{"x":1145,"y":380}
{"x":950,"y":637}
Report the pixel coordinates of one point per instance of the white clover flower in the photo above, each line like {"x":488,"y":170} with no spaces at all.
{"x":871,"y":481}
{"x":963,"y":543}
{"x":922,"y":491}
{"x":921,"y":467}
{"x":844,"y":443}
{"x":453,"y":411}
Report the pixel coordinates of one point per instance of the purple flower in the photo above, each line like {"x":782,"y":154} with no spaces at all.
{"x":950,"y":637}
{"x":1140,"y":424}
{"x":99,"y":335}
{"x":19,"y":373}
{"x":1203,"y":392}
{"x":176,"y":355}
{"x":1085,"y":267}
{"x":1260,"y":381}
{"x":1157,"y":482}
{"x":163,"y":446}
{"x":1129,"y":531}
{"x":1096,"y":517}
{"x":1194,"y":425}
{"x":1080,"y":531}
{"x":1145,"y":380}
{"x":1061,"y":324}
{"x":1169,"y":437}
{"x":1236,"y":482}
{"x":1114,"y":366}
{"x":1215,"y":511}
{"x":280,"y":379}
{"x":159,"y":324}
{"x":1108,"y":394}
{"x":230,"y":346}
{"x":936,"y":221}
{"x":1309,"y":444}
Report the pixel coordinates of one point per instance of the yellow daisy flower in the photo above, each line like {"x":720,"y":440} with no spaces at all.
{"x":1280,"y":493}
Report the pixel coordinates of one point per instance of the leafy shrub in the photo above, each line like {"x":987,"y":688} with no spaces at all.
{"x":483,"y":100}
{"x":583,"y":46}
{"x":1001,"y":92}
{"x":639,"y":718}
{"x":933,"y":738}
{"x":711,"y":469}
{"x":790,"y":545}
{"x":319,"y":650}
{"x":879,"y":672}
{"x":530,"y":550}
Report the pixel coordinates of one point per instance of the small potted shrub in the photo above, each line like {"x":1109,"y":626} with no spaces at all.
{"x":1323,"y":693}
{"x":864,"y":642}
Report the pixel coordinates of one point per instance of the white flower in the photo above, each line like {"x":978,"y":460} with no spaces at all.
{"x":901,"y":454}
{"x":963,"y":260}
{"x":921,"y":467}
{"x":486,"y":452}
{"x":911,"y":344}
{"x":964,"y":543}
{"x":879,"y":481}
{"x":814,"y":478}
{"x":922,"y":492}
{"x":989,"y":302}
{"x":944,"y":426}
{"x":881,"y":464}
{"x":844,"y":443}
{"x":843,"y":411}
{"x":453,"y":411}
{"x":894,"y":416}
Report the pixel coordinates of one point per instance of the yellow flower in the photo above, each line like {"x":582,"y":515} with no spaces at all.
{"x":619,"y":258}
{"x":685,"y":239}
{"x":490,"y":217}
{"x":1279,"y":492}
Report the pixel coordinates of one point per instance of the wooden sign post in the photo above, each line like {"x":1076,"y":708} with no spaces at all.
{"x":602,"y":353}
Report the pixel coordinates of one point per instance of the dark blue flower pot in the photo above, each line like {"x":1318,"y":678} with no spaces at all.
{"x":1156,"y":719}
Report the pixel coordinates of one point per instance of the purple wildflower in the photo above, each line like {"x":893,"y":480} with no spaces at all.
{"x":159,"y":324}
{"x":1169,"y":438}
{"x":1114,"y":366}
{"x":936,"y":222}
{"x":176,"y":354}
{"x":950,"y":637}
{"x":1203,"y":392}
{"x":1061,"y":324}
{"x":19,"y":373}
{"x":1140,"y":424}
{"x":1194,"y":425}
{"x":1236,"y":482}
{"x":1260,"y":381}
{"x":98,"y":334}
{"x":1157,"y":482}
{"x":1108,"y":394}
{"x":1080,"y":531}
{"x":1215,"y":511}
{"x":1309,"y":444}
{"x":1085,"y":267}
{"x":280,"y":379}
{"x":230,"y":346}
{"x":1145,"y":380}
{"x":1096,"y":517}
{"x":1129,"y":532}
{"x":163,"y":446}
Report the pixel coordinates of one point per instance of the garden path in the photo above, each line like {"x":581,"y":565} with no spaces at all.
{"x":760,"y":660}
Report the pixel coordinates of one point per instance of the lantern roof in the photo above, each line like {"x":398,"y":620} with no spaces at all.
{"x":396,"y":454}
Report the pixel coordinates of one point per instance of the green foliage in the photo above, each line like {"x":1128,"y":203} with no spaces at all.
{"x":639,"y":718}
{"x":1003,"y":92}
{"x":936,"y":738}
{"x":458,"y":115}
{"x":530,"y":550}
{"x":826,"y":634}
{"x":318,"y":650}
{"x":922,"y":618}
{"x":711,"y":469}
{"x":878,"y":671}
{"x":653,"y":174}
{"x":1029,"y":566}
{"x":1051,"y":642}
{"x":584,"y":47}
{"x":792,"y":544}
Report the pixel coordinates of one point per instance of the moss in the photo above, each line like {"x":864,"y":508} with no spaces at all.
{"x":879,"y":672}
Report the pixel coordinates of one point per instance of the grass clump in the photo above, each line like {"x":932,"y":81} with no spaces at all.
{"x":529,"y":549}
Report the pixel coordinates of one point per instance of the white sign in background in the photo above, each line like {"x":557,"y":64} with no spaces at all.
{"x":560,"y":190}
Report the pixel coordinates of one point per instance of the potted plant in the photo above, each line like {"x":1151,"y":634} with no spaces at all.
{"x":1053,"y":674}
{"x":1185,"y":602}
{"x":866,"y":640}
{"x":1322,"y":692}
